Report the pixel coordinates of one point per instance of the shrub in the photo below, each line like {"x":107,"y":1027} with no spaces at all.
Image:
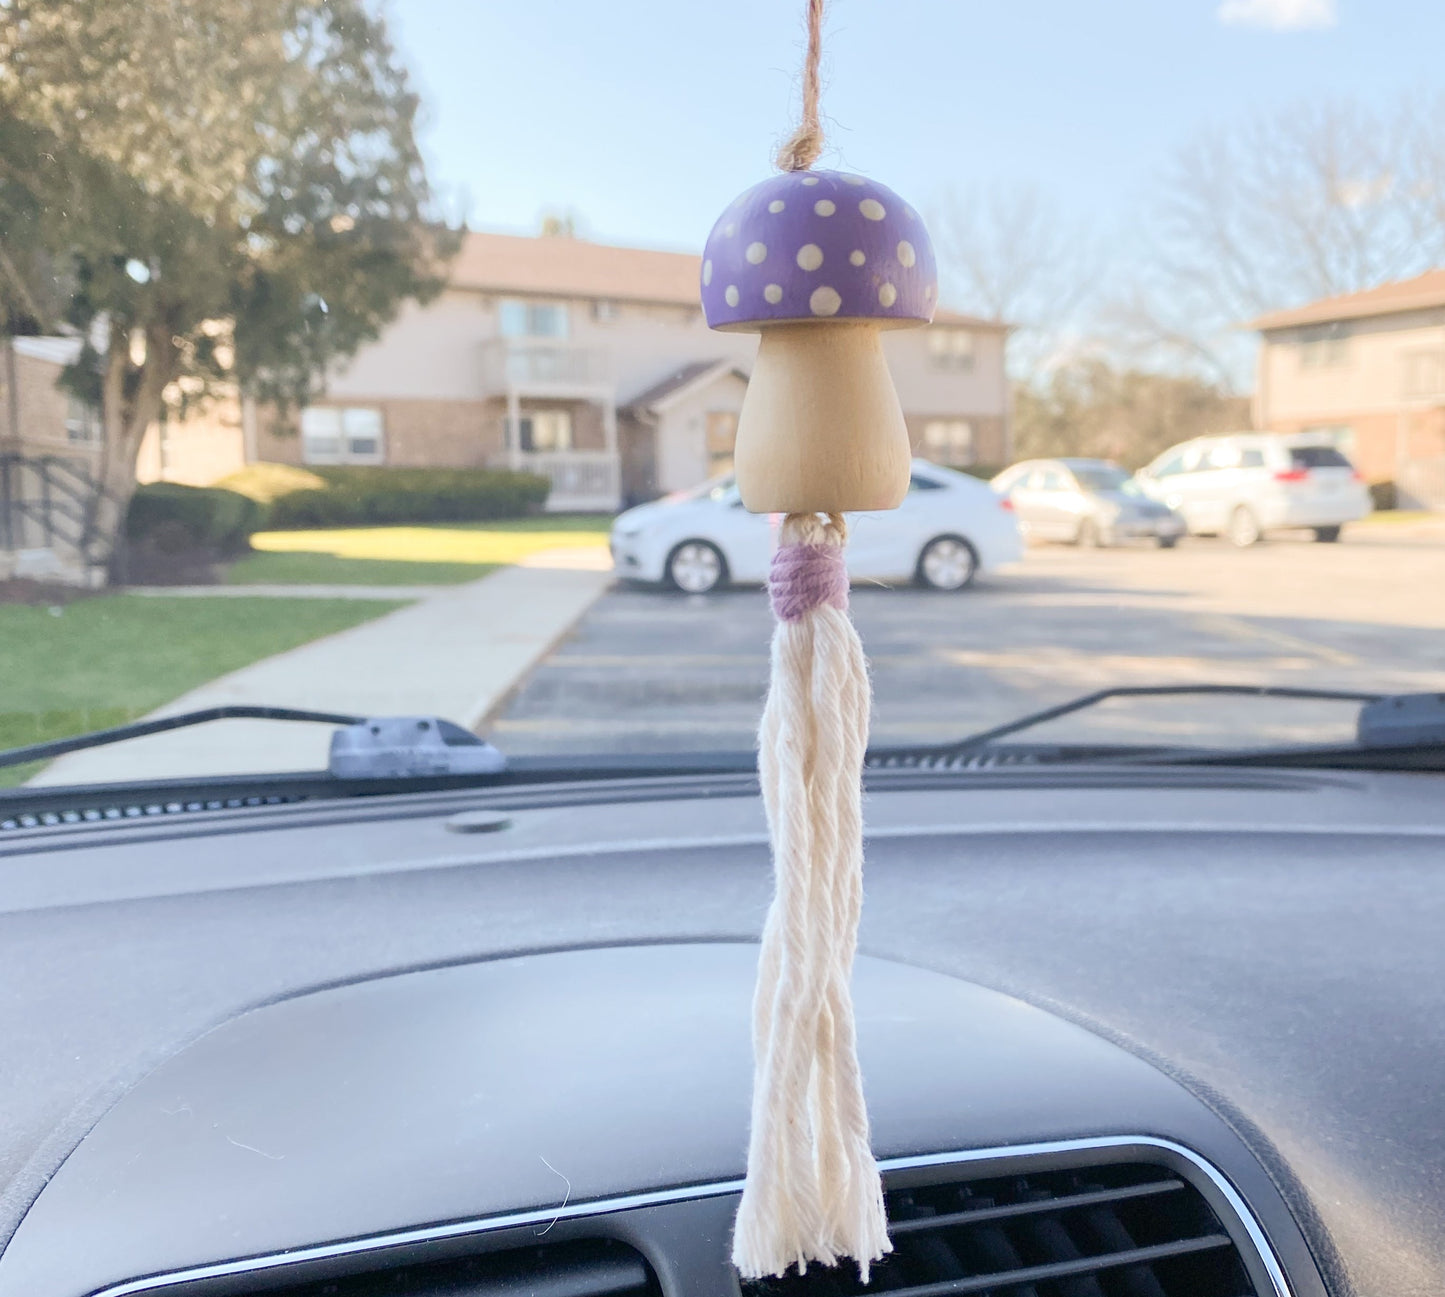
{"x":204,"y":521}
{"x":371,"y":496}
{"x":1383,"y":495}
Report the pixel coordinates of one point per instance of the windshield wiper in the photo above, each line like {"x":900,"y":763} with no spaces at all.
{"x":984,"y":738}
{"x":1393,"y":732}
{"x":184,"y":720}
{"x":362,"y":747}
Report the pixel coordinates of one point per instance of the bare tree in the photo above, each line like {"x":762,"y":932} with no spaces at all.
{"x":1317,"y":200}
{"x":1008,"y":254}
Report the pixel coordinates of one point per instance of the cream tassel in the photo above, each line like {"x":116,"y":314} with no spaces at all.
{"x":813,"y":1191}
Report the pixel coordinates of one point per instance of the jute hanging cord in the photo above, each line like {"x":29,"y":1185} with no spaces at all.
{"x":818,"y":262}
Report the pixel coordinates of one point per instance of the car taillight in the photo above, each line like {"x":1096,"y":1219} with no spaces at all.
{"x":1005,"y":503}
{"x":1292,"y":475}
{"x":1356,"y":475}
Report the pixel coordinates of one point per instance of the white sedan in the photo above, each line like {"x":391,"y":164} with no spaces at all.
{"x":949,"y":528}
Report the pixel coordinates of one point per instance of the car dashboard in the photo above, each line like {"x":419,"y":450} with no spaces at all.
{"x":1168,"y":1032}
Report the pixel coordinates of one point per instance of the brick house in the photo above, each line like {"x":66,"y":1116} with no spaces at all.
{"x":1368,"y":370}
{"x":593,"y":366}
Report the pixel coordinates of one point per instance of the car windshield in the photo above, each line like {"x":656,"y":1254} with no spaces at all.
{"x":1101,"y":477}
{"x":381,"y":359}
{"x":1317,"y":457}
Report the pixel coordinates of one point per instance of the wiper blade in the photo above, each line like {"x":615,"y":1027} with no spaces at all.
{"x":184,"y":720}
{"x":984,"y":738}
{"x":362,"y":747}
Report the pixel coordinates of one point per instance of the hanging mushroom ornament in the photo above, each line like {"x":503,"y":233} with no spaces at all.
{"x":819,"y":262}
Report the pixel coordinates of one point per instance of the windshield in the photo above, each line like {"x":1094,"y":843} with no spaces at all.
{"x":1101,"y":477}
{"x":355,"y":357}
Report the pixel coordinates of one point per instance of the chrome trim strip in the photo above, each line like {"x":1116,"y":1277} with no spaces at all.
{"x":660,"y":1197}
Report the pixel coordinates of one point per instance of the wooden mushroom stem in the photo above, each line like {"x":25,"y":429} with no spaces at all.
{"x":821,"y":429}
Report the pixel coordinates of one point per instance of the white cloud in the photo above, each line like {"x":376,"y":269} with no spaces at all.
{"x":1280,"y":15}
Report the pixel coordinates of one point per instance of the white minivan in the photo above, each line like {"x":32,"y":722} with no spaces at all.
{"x":1243,"y":484}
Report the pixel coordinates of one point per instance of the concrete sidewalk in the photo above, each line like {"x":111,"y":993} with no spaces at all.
{"x":458,"y":652}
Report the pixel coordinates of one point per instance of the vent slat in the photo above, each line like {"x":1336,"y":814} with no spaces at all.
{"x":979,"y":1214}
{"x":597,"y":1268}
{"x":1065,"y":1269}
{"x":1042,"y":1227}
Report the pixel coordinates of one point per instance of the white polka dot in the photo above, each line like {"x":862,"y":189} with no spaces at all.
{"x":928,"y":292}
{"x":707,"y":272}
{"x":906,"y":255}
{"x":773,"y":293}
{"x":757,"y":251}
{"x":810,"y":256}
{"x":857,"y":257}
{"x":776,"y":205}
{"x":825,"y":207}
{"x":872,"y":209}
{"x":910,"y":213}
{"x":825,"y":301}
{"x":810,"y":180}
{"x":854,"y":180}
{"x":887,"y":294}
{"x":731,"y":296}
{"x":729,"y":230}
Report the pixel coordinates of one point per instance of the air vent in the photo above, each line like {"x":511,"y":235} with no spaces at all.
{"x":109,"y":812}
{"x":980,"y":759}
{"x":1125,"y":1230}
{"x":598,"y":1268}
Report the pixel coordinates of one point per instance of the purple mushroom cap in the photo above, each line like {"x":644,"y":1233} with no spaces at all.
{"x":818,"y":245}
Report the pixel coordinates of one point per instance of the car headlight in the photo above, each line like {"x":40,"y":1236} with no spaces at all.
{"x":626,"y":530}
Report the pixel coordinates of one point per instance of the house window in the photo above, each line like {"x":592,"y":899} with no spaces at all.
{"x":519,"y":319}
{"x":950,"y":349}
{"x":604,"y":310}
{"x":1326,"y":346}
{"x":342,"y":435}
{"x":722,"y":437}
{"x":82,"y":421}
{"x":948,"y":441}
{"x":545,"y":430}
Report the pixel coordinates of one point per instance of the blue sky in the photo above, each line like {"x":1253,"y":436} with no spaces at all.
{"x":647,"y":116}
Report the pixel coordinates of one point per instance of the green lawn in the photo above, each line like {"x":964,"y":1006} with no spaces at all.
{"x":439,"y":554}
{"x":102,"y":661}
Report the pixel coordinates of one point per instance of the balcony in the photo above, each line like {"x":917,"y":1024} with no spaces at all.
{"x":545,"y":367}
{"x":583,"y":481}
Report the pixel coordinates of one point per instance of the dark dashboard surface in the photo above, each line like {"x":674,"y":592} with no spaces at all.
{"x":1271,"y":942}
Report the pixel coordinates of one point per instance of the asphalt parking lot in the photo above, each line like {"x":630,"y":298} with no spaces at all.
{"x":648,"y":671}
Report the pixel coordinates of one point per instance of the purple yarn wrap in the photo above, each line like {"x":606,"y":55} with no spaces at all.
{"x":805,"y":577}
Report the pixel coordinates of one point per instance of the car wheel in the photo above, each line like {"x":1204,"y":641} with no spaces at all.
{"x":1327,"y":534}
{"x":1244,"y":529}
{"x":696,"y":567}
{"x":1088,"y":537}
{"x":947,"y":563}
{"x":1167,"y":542}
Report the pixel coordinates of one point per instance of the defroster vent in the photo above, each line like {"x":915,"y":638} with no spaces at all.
{"x":1119,"y":1230}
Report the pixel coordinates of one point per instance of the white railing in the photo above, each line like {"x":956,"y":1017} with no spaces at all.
{"x":581,"y":479}
{"x":543,"y":365}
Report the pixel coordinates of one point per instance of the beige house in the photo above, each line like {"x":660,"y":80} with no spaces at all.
{"x":593,"y":366}
{"x":1367,"y":369}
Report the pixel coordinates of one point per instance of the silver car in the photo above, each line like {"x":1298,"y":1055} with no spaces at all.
{"x":1085,"y":502}
{"x":1243,"y":485}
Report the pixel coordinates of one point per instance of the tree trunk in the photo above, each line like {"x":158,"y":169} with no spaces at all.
{"x":124,"y":420}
